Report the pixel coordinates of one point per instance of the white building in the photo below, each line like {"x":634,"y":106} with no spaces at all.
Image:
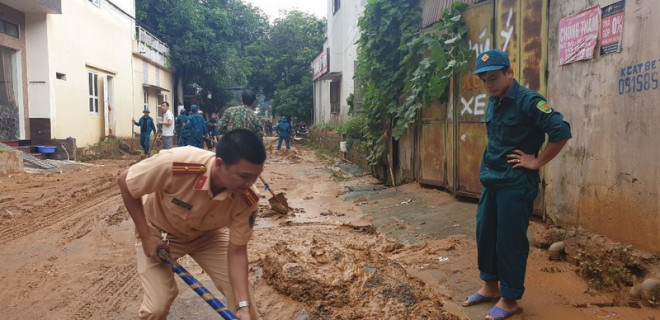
{"x":19,"y":20}
{"x":69,"y":70}
{"x":335,"y":67}
{"x":152,"y":78}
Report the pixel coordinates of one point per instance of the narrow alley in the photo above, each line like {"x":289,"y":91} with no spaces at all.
{"x":350,"y":248}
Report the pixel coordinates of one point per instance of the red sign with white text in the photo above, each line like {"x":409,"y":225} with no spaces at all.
{"x":578,"y":34}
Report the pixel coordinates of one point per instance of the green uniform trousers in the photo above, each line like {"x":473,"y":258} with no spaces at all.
{"x":502,"y":221}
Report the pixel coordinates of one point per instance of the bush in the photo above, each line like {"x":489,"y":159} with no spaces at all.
{"x":323,"y":126}
{"x":354,"y":128}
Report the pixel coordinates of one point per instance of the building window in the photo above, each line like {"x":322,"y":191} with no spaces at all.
{"x":9,"y":28}
{"x":335,"y":5}
{"x":335,"y":94}
{"x":93,"y":92}
{"x":96,"y":2}
{"x":145,"y":72}
{"x":145,"y":95}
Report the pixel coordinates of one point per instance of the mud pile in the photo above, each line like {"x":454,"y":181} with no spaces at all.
{"x":348,"y":279}
{"x":602,"y":262}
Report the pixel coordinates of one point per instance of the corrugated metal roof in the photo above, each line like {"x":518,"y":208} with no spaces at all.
{"x":432,"y":9}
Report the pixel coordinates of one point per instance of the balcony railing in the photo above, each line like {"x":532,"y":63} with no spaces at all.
{"x":150,"y":47}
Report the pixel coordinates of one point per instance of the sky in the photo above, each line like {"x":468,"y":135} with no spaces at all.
{"x":272,"y":7}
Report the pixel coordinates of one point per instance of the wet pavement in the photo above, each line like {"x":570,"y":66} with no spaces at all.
{"x":410,"y":213}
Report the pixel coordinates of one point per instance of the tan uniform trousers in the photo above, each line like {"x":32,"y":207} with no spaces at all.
{"x":157,"y":278}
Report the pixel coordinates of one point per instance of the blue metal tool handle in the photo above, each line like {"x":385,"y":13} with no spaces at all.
{"x":196,"y":286}
{"x":267,"y":187}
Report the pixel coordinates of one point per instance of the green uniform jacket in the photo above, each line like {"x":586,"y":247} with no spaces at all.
{"x":520,"y":120}
{"x":240,"y":117}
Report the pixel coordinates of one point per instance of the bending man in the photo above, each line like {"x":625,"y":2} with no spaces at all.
{"x":204,"y":205}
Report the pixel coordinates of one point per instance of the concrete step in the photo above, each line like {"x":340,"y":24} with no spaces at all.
{"x":29,"y":158}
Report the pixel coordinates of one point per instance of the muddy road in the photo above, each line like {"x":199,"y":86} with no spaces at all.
{"x":67,"y":252}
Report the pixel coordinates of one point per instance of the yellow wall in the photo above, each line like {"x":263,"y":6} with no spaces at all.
{"x":164,"y":83}
{"x":88,"y":38}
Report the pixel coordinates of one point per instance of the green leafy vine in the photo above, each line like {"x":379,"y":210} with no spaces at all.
{"x":401,"y":70}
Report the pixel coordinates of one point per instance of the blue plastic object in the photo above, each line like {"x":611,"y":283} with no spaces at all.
{"x":46,"y":149}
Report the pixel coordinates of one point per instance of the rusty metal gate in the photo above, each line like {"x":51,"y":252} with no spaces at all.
{"x":434,"y":143}
{"x":518,"y":27}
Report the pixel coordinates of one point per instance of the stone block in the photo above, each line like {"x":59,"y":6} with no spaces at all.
{"x":10,"y":162}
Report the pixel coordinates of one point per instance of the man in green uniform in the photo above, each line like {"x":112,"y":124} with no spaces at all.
{"x":146,"y":124}
{"x":181,"y":119}
{"x":517,"y":121}
{"x":241,"y":117}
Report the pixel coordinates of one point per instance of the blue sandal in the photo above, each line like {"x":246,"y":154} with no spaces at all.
{"x":498,"y":313}
{"x":477,"y":298}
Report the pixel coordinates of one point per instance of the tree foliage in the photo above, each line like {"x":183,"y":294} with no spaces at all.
{"x":282,"y":63}
{"x":386,"y":27}
{"x":433,"y":59}
{"x":402,"y":72}
{"x":217,"y":44}
{"x":207,"y":39}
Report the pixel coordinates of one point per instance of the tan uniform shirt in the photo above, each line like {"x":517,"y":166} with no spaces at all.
{"x":176,"y":194}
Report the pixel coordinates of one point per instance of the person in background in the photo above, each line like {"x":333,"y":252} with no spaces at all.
{"x":268,"y":128}
{"x":178,"y":125}
{"x":517,"y":122}
{"x":207,"y":136}
{"x":284,"y":131}
{"x":213,"y":131}
{"x":198,"y":128}
{"x":146,"y":124}
{"x":241,"y":117}
{"x":168,"y":126}
{"x":185,"y":129}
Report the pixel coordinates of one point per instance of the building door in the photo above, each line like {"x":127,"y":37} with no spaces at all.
{"x":106,"y":108}
{"x":335,"y":103}
{"x":9,"y":95}
{"x":109,"y":97}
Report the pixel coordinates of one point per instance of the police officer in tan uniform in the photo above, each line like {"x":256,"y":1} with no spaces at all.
{"x":192,"y":201}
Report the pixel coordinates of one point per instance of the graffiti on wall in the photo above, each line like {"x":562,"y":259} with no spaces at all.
{"x":507,"y":31}
{"x":483,"y":42}
{"x":475,"y":105}
{"x":639,"y":77}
